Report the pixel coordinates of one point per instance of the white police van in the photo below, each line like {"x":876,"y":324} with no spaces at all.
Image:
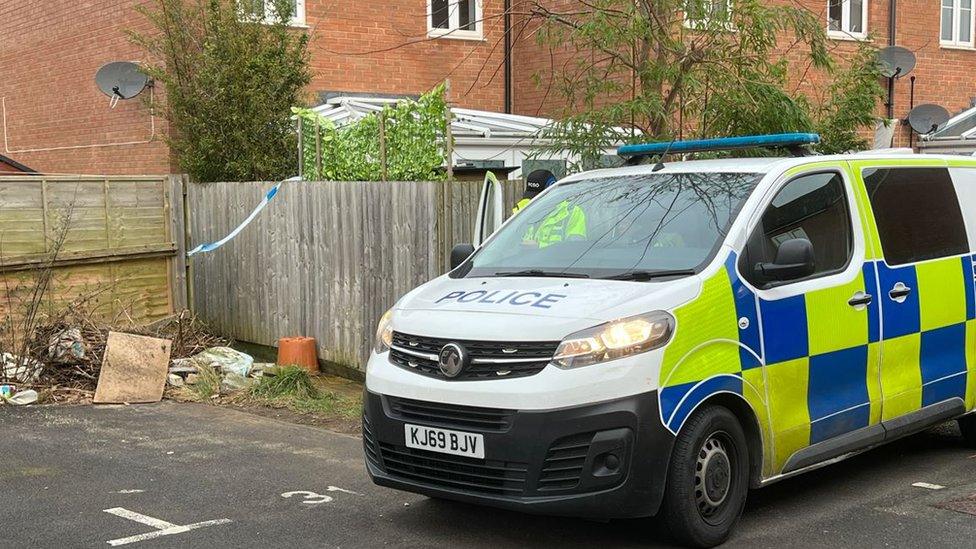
{"x":707,"y":327}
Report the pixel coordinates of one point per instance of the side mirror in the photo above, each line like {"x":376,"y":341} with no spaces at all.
{"x":460,"y":253}
{"x":794,"y":260}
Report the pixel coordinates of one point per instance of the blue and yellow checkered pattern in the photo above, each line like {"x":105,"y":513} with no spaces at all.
{"x":829,"y":368}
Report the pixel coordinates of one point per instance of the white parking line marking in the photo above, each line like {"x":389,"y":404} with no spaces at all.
{"x":337,"y":489}
{"x":162,"y":527}
{"x":929,"y":486}
{"x":130,"y":491}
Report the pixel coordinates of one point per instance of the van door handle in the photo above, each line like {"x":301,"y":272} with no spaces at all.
{"x":899,"y":292}
{"x":860,"y":299}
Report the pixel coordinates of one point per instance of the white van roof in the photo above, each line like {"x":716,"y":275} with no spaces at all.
{"x":754,"y":165}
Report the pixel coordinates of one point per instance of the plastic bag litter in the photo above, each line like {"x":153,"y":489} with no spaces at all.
{"x":66,"y":347}
{"x":227,"y":360}
{"x":15,"y":369}
{"x":23,"y":398}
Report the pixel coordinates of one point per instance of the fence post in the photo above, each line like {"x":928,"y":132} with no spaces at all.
{"x":178,"y":223}
{"x":318,"y":150}
{"x":448,"y":136}
{"x":383,"y":166}
{"x":301,"y":150}
{"x":188,"y":241}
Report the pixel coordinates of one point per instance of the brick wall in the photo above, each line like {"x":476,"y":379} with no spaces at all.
{"x":943,"y":76}
{"x":401,"y":58}
{"x":50,"y":51}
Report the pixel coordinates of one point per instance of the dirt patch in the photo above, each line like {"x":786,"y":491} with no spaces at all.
{"x":336,"y":404}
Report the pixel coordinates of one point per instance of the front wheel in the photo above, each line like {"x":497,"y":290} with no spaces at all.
{"x":708,"y":478}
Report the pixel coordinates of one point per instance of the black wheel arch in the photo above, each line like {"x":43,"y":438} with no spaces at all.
{"x":743,"y":411}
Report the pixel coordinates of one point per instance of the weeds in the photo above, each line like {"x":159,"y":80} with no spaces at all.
{"x":293,"y":388}
{"x":289,"y":382}
{"x":207,"y":384}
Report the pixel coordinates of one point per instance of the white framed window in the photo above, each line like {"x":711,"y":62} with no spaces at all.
{"x":264,"y":11}
{"x":957,"y":23}
{"x":847,"y":19}
{"x":701,"y":14}
{"x":455,"y":19}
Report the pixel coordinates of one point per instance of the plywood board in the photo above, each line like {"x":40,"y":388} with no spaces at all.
{"x":133,"y":370}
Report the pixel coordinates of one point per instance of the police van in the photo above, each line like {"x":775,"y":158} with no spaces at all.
{"x":719,"y":325}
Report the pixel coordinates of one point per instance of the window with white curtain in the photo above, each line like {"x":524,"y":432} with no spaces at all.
{"x":957,"y":23}
{"x":847,"y":18}
{"x":266,"y":11}
{"x":454,"y":19}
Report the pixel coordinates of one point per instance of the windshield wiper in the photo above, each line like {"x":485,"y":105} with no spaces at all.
{"x":541,"y":273}
{"x":642,"y":275}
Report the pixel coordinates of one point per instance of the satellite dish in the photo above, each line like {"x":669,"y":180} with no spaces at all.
{"x":896,"y":61}
{"x":121,"y":80}
{"x":925,"y":119}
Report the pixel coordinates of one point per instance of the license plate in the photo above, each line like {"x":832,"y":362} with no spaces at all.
{"x":445,"y":441}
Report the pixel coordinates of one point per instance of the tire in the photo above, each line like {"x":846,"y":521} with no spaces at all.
{"x":702,"y":508}
{"x":967,"y":426}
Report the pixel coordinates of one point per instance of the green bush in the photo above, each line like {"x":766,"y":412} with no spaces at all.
{"x":230,"y":84}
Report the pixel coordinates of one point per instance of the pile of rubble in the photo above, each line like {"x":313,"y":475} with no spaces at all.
{"x":235,"y":370}
{"x":62,"y":358}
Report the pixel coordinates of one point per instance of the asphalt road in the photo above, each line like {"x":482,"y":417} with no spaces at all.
{"x":212,"y":477}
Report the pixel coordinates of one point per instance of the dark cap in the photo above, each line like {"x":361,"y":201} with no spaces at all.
{"x":538,"y":181}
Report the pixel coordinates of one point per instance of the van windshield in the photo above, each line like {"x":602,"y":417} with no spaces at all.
{"x":636,"y":227}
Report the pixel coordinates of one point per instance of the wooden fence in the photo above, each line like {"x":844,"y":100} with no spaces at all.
{"x":325,"y":259}
{"x":117,"y":240}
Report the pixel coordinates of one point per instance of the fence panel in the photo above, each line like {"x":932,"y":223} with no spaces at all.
{"x":325,"y":259}
{"x":110,"y":240}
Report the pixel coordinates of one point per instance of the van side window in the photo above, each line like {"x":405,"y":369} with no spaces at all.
{"x":917,"y":213}
{"x":813,"y":207}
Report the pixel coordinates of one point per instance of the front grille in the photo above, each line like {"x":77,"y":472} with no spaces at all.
{"x":490,"y":477}
{"x":369,"y":443}
{"x":536,"y":354}
{"x":564,"y":462}
{"x":450,"y":415}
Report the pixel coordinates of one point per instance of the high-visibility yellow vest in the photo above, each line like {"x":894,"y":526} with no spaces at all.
{"x":521,"y":204}
{"x":565,"y":221}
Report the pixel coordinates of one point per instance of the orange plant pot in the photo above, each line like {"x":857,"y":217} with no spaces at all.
{"x":298,"y":351}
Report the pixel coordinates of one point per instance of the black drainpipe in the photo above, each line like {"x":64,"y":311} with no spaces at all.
{"x":892,"y":38}
{"x":508,"y":55}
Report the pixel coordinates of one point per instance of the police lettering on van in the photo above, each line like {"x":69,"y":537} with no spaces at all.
{"x":502,"y":297}
{"x":716,"y":326}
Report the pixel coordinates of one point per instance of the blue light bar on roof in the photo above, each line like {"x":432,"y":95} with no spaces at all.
{"x":721,"y":144}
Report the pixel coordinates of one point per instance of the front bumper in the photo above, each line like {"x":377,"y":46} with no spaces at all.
{"x":602,"y":461}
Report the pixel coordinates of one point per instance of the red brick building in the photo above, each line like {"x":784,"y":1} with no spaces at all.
{"x":939,"y":32}
{"x":55,"y":119}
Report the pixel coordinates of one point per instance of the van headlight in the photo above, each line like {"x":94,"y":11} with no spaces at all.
{"x":617,"y":339}
{"x":384,"y":333}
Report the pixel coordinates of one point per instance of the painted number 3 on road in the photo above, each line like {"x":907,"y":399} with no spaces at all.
{"x":312,"y":498}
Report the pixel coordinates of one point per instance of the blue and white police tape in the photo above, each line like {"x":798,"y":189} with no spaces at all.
{"x":214,"y":245}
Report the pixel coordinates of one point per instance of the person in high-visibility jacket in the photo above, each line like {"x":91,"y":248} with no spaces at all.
{"x":535,"y":183}
{"x":566,"y":222}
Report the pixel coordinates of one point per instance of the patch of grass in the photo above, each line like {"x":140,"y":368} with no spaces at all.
{"x":292,"y":387}
{"x":289,"y":381}
{"x":208,"y":383}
